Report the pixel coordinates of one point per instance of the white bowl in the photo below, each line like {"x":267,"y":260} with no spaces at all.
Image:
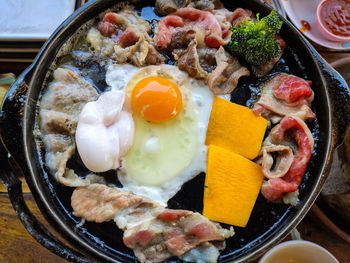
{"x":323,"y":30}
{"x":298,"y":10}
{"x":298,"y":251}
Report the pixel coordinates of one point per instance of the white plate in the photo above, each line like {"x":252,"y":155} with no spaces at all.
{"x":298,"y":10}
{"x":25,"y":20}
{"x":277,"y":5}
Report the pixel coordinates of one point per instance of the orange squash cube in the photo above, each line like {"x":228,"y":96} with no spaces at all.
{"x":235,"y":128}
{"x":232,"y":185}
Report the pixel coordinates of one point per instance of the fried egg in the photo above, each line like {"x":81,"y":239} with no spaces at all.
{"x":171,"y":113}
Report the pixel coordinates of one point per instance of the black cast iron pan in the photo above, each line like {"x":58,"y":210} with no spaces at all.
{"x":269,"y":223}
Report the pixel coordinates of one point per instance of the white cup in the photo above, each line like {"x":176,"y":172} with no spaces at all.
{"x":298,"y":251}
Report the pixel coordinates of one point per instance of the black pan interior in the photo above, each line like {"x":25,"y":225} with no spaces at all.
{"x":267,"y":219}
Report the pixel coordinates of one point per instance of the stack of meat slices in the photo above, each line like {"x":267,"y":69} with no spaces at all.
{"x":286,"y":100}
{"x":153,"y":232}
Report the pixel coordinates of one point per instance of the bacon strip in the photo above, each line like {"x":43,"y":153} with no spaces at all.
{"x":273,"y":189}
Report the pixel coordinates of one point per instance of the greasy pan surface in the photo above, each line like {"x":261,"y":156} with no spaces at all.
{"x":269,"y":221}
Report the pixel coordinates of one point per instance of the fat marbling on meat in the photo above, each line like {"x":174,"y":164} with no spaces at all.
{"x":224,"y":78}
{"x":291,"y":128}
{"x":224,"y":71}
{"x":240,"y":15}
{"x":124,"y":36}
{"x":285,"y":95}
{"x":59,"y":111}
{"x":166,"y":7}
{"x":205,"y":21}
{"x":195,"y":38}
{"x":188,"y":60}
{"x":152,"y":231}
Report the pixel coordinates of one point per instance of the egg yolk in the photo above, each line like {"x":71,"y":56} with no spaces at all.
{"x":156,"y":99}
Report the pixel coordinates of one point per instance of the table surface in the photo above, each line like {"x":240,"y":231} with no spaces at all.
{"x":16,"y":244}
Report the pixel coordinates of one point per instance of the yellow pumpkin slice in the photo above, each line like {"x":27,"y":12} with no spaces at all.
{"x":235,"y":128}
{"x":232,"y":184}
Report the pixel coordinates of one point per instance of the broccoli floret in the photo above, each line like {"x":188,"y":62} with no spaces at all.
{"x":255,"y":40}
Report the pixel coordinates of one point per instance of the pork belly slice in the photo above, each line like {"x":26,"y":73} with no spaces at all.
{"x":291,"y":128}
{"x":153,"y":232}
{"x":224,"y":78}
{"x":124,"y":36}
{"x":100,"y":203}
{"x":205,"y":21}
{"x":59,"y":149}
{"x":217,"y":67}
{"x":138,"y":50}
{"x":188,"y":60}
{"x":208,"y":16}
{"x":67,"y":93}
{"x":55,"y":122}
{"x":112,"y":23}
{"x":60,"y":106}
{"x":123,"y":29}
{"x":211,"y":29}
{"x":285,"y":95}
{"x":166,"y":7}
{"x":193,"y":36}
{"x":240,"y":15}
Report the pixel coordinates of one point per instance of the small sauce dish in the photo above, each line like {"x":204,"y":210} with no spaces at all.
{"x":333,"y":19}
{"x":298,"y":251}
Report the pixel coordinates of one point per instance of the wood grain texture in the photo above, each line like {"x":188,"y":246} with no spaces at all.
{"x":25,"y":187}
{"x":16,"y":244}
{"x":331,"y":57}
{"x":311,"y":230}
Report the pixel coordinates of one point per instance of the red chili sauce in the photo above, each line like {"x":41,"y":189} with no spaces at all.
{"x":335,"y":17}
{"x":305,"y":26}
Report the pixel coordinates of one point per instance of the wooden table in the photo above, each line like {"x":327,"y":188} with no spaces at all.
{"x":16,"y":245}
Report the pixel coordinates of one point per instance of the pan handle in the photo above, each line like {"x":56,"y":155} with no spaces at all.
{"x":339,"y":97}
{"x":12,"y":113}
{"x":33,"y":226}
{"x":11,"y":155}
